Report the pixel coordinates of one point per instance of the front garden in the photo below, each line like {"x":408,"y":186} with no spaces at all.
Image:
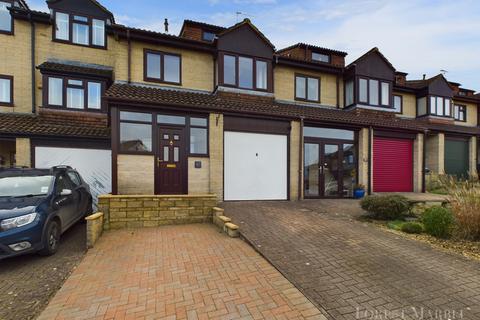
{"x":454,"y":226}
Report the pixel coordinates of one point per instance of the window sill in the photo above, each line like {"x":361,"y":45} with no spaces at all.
{"x":262,"y":93}
{"x":377,"y":108}
{"x":161,"y":81}
{"x":80,"y":45}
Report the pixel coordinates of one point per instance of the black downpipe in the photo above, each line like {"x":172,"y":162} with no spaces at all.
{"x":370,"y":130}
{"x":33,"y":63}
{"x":300,"y":161}
{"x":129,"y":58}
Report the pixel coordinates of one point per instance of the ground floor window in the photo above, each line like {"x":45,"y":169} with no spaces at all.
{"x":137,"y":131}
{"x":330,"y":162}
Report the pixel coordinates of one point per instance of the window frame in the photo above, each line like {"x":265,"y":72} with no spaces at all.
{"x":152,"y":124}
{"x":306,"y":77}
{"x":162,"y":54}
{"x":71,"y":21}
{"x":329,"y":57}
{"x":429,"y":109}
{"x":221,"y":73}
{"x":10,"y":78}
{"x":206,"y":40}
{"x":12,"y":22}
{"x":462,"y":109}
{"x":401,"y":103}
{"x":380,"y":82}
{"x":65,"y":86}
{"x":155,"y":130}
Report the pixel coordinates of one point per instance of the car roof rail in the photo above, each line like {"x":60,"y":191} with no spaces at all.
{"x":62,"y":167}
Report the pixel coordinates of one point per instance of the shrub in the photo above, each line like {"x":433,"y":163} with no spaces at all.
{"x":412,"y":227}
{"x":465,"y":203}
{"x":386,"y":207}
{"x":438,"y":221}
{"x":395,"y":224}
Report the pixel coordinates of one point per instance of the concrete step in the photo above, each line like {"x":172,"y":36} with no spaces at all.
{"x":231,"y":230}
{"x":220,"y":221}
{"x":218,"y":211}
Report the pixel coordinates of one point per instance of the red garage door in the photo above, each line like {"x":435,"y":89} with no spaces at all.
{"x":392,"y":165}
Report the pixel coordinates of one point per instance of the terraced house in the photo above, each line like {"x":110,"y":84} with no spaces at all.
{"x":219,"y":110}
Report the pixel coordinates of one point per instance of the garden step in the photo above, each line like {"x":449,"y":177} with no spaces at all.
{"x":221,"y":220}
{"x":218,"y":211}
{"x":231,"y":229}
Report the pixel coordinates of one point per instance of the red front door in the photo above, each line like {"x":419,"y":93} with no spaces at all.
{"x":171,"y":161}
{"x":392,"y":165}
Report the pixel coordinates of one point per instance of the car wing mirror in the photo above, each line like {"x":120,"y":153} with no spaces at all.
{"x":66,"y":192}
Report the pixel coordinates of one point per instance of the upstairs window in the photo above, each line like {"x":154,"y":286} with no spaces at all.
{"x":245,"y":72}
{"x":398,"y":103}
{"x":460,"y":113}
{"x":81,"y":30}
{"x":70,"y":93}
{"x":208,"y":36}
{"x":6,"y":91}
{"x":6,"y":21}
{"x":307,"y":88}
{"x":320,"y":57}
{"x":440,"y":106}
{"x":162,"y":67}
{"x":374,"y":92}
{"x":349,"y":91}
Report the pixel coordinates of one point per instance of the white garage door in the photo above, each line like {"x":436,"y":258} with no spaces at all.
{"x":94,"y":165}
{"x":255,"y":166}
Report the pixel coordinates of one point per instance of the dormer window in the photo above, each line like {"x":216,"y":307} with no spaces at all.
{"x":320,"y":57}
{"x":208,"y":36}
{"x":440,"y":106}
{"x":80,"y":30}
{"x":245,"y":72}
{"x":374,"y":92}
{"x":6,"y":21}
{"x":460,"y":113}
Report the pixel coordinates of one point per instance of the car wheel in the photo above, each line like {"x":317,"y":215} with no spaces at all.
{"x":51,"y":239}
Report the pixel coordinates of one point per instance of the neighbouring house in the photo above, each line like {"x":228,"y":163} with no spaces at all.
{"x":219,"y":110}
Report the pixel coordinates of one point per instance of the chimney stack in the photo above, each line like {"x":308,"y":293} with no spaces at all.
{"x":424,"y":76}
{"x":166,"y":25}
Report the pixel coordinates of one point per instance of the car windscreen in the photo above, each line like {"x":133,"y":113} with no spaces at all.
{"x":25,"y":186}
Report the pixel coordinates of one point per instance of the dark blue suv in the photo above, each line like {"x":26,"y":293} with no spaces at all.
{"x":37,"y":206}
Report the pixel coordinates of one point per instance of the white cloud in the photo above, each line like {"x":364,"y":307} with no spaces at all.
{"x":417,"y":37}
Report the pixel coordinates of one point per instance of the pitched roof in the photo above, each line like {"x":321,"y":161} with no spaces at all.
{"x":423,"y":83}
{"x":95,"y":2}
{"x":253,"y":105}
{"x":247,"y":22}
{"x":201,"y":24}
{"x":47,"y":124}
{"x":306,"y":45}
{"x":372,"y":51}
{"x":75,"y":67}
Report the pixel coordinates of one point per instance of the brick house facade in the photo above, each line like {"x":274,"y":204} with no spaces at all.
{"x":220,"y":110}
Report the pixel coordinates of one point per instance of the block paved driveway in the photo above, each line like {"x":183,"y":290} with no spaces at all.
{"x":177,"y":272}
{"x":353,"y":270}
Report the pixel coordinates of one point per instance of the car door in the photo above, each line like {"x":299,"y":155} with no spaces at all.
{"x":65,"y":203}
{"x":79,"y":193}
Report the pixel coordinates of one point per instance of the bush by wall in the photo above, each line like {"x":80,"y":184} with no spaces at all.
{"x":389,"y":207}
{"x":438,"y":221}
{"x":412,"y":227}
{"x":465,"y":203}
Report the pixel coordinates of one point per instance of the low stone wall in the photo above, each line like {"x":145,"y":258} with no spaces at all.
{"x":136,"y":211}
{"x":94,"y":228}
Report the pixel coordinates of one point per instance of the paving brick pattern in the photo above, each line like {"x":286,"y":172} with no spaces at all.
{"x":353,"y":270}
{"x":177,"y":272}
{"x":28,"y":282}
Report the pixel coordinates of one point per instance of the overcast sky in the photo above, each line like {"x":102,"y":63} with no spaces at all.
{"x":418,"y":37}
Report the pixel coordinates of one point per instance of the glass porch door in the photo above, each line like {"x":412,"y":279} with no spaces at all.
{"x":329,"y":169}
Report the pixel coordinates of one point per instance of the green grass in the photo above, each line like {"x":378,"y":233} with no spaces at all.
{"x":395,"y":224}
